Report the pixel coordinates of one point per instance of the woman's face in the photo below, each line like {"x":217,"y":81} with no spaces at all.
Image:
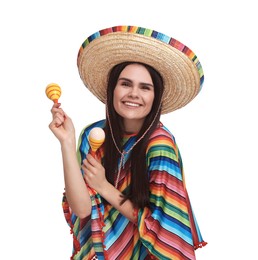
{"x":133,"y":96}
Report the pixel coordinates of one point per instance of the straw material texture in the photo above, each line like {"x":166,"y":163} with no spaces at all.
{"x":179,"y":72}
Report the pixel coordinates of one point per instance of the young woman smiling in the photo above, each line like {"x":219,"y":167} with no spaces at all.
{"x":141,"y":208}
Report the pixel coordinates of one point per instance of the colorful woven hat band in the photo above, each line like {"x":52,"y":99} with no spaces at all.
{"x":178,"y":65}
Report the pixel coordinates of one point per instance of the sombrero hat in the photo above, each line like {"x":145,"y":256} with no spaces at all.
{"x":179,"y":67}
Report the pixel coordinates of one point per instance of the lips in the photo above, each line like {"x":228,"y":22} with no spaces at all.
{"x":131,"y":104}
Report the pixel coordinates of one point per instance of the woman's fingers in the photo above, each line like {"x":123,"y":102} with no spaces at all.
{"x":55,"y":106}
{"x":87,"y":167}
{"x":89,"y":170}
{"x":57,"y":110}
{"x":58,"y":115}
{"x":91,"y":163}
{"x":58,"y":119}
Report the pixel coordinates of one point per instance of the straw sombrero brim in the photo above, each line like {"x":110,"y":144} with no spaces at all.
{"x":179,"y":67}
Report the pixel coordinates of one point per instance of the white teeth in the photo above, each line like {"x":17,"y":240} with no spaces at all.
{"x":132,"y":104}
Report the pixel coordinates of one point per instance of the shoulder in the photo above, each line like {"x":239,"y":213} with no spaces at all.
{"x":162,"y":136}
{"x":162,"y":143}
{"x":87,"y":128}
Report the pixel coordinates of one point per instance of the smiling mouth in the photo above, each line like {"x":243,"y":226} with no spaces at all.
{"x":131,"y":104}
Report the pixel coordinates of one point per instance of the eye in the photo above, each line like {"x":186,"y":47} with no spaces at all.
{"x":125,"y":83}
{"x":146,"y":87}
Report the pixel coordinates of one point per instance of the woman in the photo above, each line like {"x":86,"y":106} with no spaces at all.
{"x":140,"y":208}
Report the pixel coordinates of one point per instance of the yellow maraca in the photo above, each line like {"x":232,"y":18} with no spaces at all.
{"x":53,"y":92}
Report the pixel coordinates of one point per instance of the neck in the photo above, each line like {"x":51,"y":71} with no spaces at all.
{"x":132,"y":126}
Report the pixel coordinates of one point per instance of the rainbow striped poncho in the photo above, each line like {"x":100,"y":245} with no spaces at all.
{"x":168,"y":230}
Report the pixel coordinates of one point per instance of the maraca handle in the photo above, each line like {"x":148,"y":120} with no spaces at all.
{"x":93,"y":153}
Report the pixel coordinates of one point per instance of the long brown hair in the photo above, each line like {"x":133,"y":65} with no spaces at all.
{"x":138,"y":191}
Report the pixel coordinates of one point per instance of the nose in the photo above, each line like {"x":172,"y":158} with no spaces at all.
{"x":134,"y":92}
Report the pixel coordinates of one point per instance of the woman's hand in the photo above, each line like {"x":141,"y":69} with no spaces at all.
{"x":61,"y":125}
{"x":94,"y":173}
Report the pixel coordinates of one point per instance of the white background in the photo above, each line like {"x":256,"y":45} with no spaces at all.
{"x":216,"y":133}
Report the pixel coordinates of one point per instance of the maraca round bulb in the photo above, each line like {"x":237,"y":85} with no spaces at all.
{"x":53,"y":92}
{"x":96,"y":138}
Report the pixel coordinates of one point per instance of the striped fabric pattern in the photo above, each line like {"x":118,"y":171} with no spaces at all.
{"x":150,"y":33}
{"x":168,"y":230}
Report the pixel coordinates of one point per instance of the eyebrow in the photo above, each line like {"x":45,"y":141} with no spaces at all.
{"x":142,"y":83}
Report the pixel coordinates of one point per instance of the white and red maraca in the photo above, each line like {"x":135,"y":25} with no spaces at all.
{"x":96,"y":139}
